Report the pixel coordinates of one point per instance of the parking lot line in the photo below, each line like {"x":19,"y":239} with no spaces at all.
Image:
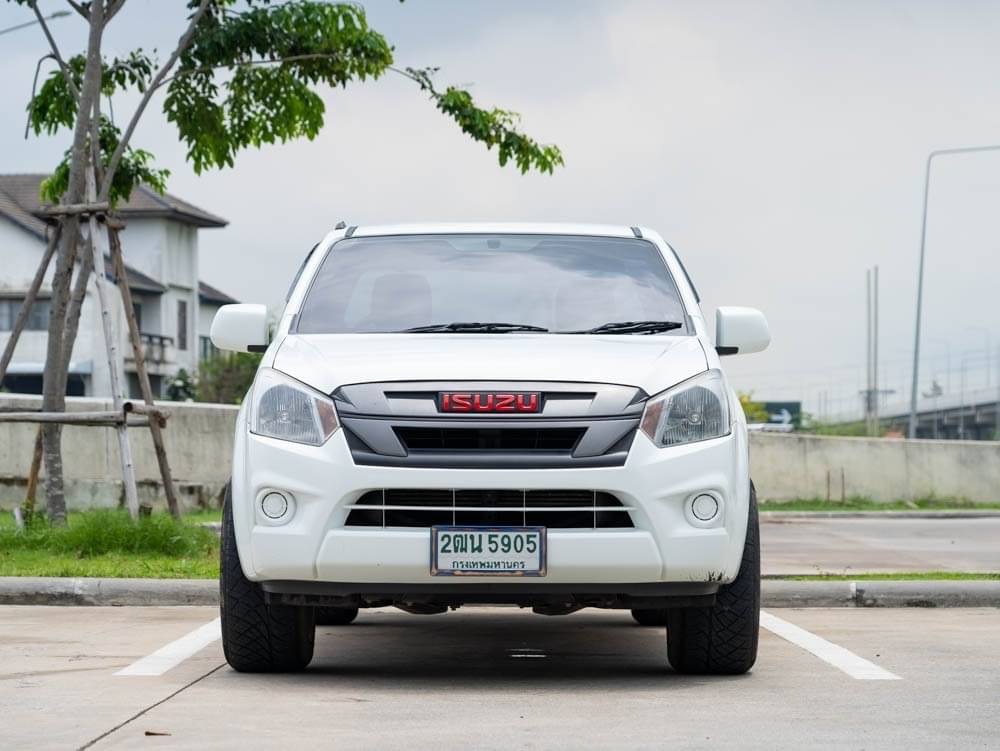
{"x":833,"y":654}
{"x":174,"y":653}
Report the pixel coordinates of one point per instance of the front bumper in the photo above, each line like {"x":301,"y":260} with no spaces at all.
{"x":666,"y":544}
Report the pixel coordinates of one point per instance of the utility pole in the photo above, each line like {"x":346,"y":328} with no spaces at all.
{"x":988,"y":338}
{"x":875,"y":395}
{"x":996,"y":408}
{"x":871,"y":393}
{"x":868,"y":352}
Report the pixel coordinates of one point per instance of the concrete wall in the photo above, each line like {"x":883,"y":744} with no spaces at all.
{"x":200,"y":443}
{"x":199,"y":439}
{"x":786,"y":467}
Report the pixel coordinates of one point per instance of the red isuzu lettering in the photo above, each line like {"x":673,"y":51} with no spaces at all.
{"x":490,"y":402}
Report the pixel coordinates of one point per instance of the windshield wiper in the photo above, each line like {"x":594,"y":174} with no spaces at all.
{"x":471,"y":327}
{"x":630,"y":327}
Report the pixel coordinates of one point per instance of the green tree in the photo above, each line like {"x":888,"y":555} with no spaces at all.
{"x":244,"y":73}
{"x":227,"y":378}
{"x":755,"y":411}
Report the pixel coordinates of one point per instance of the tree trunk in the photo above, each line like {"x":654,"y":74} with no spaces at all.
{"x":73,"y":314}
{"x":53,"y":390}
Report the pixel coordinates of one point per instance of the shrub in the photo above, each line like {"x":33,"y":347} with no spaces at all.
{"x":227,"y":378}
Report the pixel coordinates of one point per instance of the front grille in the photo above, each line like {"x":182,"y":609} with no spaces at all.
{"x":489,"y":439}
{"x":560,"y":509}
{"x":400,"y":424}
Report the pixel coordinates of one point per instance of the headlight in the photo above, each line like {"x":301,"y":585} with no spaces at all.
{"x":695,"y":410}
{"x":291,"y":411}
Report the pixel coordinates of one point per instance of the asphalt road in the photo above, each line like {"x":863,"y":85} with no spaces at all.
{"x":500,"y":678}
{"x":852,"y":546}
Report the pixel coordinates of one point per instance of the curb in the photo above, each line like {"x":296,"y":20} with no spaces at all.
{"x":781,"y":516}
{"x":775,"y":593}
{"x":41,"y":590}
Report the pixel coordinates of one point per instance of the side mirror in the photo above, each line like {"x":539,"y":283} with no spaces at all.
{"x":240,"y":328}
{"x":740,"y":331}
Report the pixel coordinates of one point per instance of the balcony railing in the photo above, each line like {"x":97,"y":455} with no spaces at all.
{"x":157,"y":349}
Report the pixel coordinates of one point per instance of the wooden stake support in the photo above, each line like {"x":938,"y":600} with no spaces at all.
{"x":118,"y":263}
{"x":76,"y":208}
{"x":126,"y":413}
{"x":29,"y":301}
{"x":98,"y":241}
{"x":106,"y":419}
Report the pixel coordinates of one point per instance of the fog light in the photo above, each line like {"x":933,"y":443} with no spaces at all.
{"x":274,"y":505}
{"x":704,"y":508}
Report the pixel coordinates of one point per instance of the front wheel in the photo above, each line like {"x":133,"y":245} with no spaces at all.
{"x":722,"y":639}
{"x":258,"y":637}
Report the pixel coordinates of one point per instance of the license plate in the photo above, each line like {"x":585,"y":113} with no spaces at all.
{"x":487,"y":551}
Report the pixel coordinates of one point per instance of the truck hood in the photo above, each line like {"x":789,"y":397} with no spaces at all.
{"x":328,"y":361}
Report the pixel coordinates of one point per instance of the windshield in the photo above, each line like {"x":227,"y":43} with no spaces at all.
{"x":553,"y":282}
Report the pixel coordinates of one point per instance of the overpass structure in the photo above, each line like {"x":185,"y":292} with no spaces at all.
{"x":971,"y":415}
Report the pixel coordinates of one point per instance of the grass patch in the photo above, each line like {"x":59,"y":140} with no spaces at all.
{"x":896,"y":576}
{"x":858,"y":503}
{"x":202,"y":516}
{"x":108,"y":543}
{"x":108,"y":565}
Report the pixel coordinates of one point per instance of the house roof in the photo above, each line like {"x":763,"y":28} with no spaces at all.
{"x":208,"y":293}
{"x":20,"y":203}
{"x":136,"y":279}
{"x":13,"y":212}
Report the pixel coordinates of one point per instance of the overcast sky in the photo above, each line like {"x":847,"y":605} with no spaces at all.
{"x":779,"y":146}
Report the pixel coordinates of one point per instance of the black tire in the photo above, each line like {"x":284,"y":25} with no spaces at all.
{"x":722,"y":640}
{"x":257,"y":637}
{"x":326,"y":616}
{"x":655,"y":617}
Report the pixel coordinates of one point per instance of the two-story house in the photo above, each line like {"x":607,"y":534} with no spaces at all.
{"x":173,"y":307}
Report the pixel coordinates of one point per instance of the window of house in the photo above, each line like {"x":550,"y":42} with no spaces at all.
{"x":137,"y":312}
{"x":182,"y":325}
{"x":38,"y":318}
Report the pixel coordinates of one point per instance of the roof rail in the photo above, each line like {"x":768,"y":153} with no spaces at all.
{"x":350,"y":230}
{"x":637,"y":232}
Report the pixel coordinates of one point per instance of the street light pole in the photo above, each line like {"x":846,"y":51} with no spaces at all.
{"x":57,"y":14}
{"x":912,"y":431}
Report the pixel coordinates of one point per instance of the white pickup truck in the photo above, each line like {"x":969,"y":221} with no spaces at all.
{"x":527,"y":414}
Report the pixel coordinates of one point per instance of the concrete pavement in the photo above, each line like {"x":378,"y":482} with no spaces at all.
{"x":500,"y":678}
{"x":858,"y":545}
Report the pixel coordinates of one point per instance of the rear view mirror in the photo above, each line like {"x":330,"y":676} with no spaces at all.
{"x":240,"y":328}
{"x":740,"y":331}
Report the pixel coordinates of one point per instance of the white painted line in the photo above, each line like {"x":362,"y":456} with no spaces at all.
{"x":840,"y":658}
{"x":526,"y":652}
{"x":173,"y":654}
